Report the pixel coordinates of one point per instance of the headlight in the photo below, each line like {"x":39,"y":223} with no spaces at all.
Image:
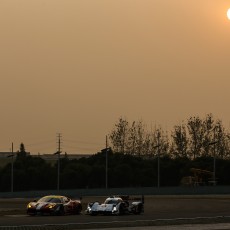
{"x":29,"y":206}
{"x":50,"y":206}
{"x":114,"y":209}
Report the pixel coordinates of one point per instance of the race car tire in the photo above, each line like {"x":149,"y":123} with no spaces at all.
{"x":121,"y":209}
{"x":138,"y":209}
{"x":94,"y":213}
{"x":78,"y":209}
{"x":61,"y":211}
{"x":31,"y":214}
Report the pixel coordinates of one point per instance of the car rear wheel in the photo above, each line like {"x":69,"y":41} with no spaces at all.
{"x":61,"y":211}
{"x":138,"y":209}
{"x":31,"y":214}
{"x":121,"y":209}
{"x":78,"y":209}
{"x":94,"y":213}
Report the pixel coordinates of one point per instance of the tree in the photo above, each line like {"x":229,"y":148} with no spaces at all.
{"x":208,"y":126}
{"x":180,"y":141}
{"x":119,"y":135}
{"x":22,"y":151}
{"x":136,"y":139}
{"x":22,"y":148}
{"x":196,"y":132}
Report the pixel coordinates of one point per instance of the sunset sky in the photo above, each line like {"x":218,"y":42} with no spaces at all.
{"x":76,"y":66}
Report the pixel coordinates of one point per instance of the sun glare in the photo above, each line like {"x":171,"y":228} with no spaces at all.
{"x":228,"y":14}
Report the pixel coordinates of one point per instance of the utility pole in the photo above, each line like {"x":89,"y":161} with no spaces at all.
{"x":214,"y":158}
{"x":105,"y":151}
{"x":158,"y":160}
{"x":58,"y":160}
{"x":106,"y":163}
{"x":214,"y":155}
{"x":12,"y":167}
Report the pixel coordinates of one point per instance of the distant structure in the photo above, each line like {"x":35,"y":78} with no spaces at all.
{"x":6,"y":157}
{"x":6,"y":154}
{"x":52,"y":157}
{"x":47,"y":156}
{"x":200,"y":177}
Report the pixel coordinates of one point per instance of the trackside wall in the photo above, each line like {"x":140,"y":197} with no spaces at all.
{"x":201,"y":190}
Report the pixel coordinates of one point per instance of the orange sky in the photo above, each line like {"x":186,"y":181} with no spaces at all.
{"x":75,"y":66}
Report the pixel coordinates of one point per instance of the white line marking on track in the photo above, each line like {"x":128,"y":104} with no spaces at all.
{"x":16,"y":215}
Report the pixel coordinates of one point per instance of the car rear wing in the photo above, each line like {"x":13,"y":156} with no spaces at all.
{"x":133,"y":198}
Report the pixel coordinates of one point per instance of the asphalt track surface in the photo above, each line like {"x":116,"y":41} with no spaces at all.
{"x":220,"y":226}
{"x":158,"y":211}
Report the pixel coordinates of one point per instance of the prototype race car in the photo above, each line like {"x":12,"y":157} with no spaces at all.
{"x":54,"y":205}
{"x":117,"y":205}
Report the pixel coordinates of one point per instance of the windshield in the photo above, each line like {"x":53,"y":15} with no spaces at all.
{"x":111,"y":201}
{"x":50,"y":199}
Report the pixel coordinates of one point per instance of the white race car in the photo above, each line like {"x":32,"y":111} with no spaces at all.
{"x":117,"y":205}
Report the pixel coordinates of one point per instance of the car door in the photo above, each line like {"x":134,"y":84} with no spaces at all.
{"x":67,"y":204}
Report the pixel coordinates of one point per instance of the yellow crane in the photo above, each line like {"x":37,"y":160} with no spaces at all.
{"x":199,"y":177}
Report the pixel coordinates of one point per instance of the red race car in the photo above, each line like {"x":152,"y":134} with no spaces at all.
{"x":54,"y":205}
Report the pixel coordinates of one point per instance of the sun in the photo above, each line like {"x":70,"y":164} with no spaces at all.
{"x":228,"y":13}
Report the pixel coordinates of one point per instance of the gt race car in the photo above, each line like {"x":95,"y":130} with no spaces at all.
{"x":117,"y":205}
{"x":54,"y":205}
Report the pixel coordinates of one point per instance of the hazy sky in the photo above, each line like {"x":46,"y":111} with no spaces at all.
{"x":75,"y":66}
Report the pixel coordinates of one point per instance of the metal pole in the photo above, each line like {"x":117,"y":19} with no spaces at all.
{"x":158,"y":171}
{"x":214,"y":156}
{"x":106,"y":163}
{"x":158,"y":162}
{"x":58,"y":168}
{"x":12,"y":169}
{"x":214,"y":168}
{"x":214,"y":159}
{"x":58,"y":176}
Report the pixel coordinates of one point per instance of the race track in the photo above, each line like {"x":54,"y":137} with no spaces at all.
{"x":157,"y":209}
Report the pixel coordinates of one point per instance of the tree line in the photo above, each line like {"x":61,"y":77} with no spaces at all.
{"x":124,"y":170}
{"x":196,"y":137}
{"x":133,"y":159}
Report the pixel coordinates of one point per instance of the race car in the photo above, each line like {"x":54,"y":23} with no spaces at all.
{"x":54,"y":205}
{"x":117,"y":205}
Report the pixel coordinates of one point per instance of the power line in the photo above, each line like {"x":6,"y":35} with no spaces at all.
{"x":40,"y":143}
{"x":83,"y":142}
{"x":77,"y":148}
{"x":63,"y":145}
